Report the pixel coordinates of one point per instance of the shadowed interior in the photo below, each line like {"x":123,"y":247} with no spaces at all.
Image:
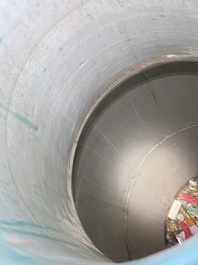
{"x":59,"y":59}
{"x":137,"y":149}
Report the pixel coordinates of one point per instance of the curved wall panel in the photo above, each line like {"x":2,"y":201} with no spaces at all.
{"x":58,"y":59}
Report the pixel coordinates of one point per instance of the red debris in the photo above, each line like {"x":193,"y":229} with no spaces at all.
{"x":189,"y":198}
{"x":186,"y":229}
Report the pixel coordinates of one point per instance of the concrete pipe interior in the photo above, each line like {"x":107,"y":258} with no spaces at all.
{"x":59,"y":59}
{"x":138,"y":148}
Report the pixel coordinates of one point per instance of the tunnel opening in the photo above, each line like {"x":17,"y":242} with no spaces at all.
{"x":137,"y":148}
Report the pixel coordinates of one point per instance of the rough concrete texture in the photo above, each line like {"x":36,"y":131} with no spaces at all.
{"x":58,"y":59}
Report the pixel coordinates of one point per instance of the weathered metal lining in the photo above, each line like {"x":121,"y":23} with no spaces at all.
{"x":57,"y":59}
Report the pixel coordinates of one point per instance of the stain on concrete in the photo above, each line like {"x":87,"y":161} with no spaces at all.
{"x":20,"y":118}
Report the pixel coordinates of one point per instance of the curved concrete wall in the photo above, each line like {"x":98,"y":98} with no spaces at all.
{"x":58,"y":60}
{"x":138,"y":148}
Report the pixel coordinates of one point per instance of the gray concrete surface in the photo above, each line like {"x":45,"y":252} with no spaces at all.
{"x":58,"y":60}
{"x":138,"y":148}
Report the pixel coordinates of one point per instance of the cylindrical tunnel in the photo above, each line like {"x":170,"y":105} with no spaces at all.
{"x":138,"y":147}
{"x":114,"y":82}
